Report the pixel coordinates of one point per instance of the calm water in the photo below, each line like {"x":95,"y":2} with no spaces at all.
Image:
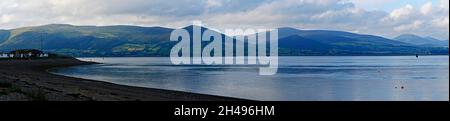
{"x":298,"y":78}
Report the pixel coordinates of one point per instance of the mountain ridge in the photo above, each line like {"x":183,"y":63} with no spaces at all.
{"x":421,"y":41}
{"x":126,"y":40}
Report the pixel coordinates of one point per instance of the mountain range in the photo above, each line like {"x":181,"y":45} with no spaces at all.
{"x":422,"y":41}
{"x":154,"y":41}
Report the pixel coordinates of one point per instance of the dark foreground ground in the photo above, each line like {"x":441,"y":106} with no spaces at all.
{"x":28,"y":80}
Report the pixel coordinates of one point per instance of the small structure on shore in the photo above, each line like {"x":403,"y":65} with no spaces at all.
{"x":4,"y":55}
{"x":25,"y":53}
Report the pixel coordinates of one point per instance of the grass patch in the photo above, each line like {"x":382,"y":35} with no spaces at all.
{"x":6,"y":88}
{"x":5,"y":85}
{"x":38,"y":95}
{"x":35,"y":95}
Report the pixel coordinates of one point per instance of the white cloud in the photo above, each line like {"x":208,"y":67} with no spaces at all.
{"x":402,"y":13}
{"x":427,"y":8}
{"x":5,"y":18}
{"x":372,"y":4}
{"x":444,"y":4}
{"x":347,"y":15}
{"x":214,"y":3}
{"x":441,"y":22}
{"x":409,"y":27}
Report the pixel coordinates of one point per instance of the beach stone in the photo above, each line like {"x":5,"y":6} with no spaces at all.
{"x":14,"y":97}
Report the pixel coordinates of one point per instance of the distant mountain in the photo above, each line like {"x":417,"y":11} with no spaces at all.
{"x":284,"y":32}
{"x":92,"y":40}
{"x":154,"y":41}
{"x":421,"y":41}
{"x":323,"y":42}
{"x":4,"y":35}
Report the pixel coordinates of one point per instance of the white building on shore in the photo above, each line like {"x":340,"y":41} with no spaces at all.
{"x":4,"y":55}
{"x":25,"y":53}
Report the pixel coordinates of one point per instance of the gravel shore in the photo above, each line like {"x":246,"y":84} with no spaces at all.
{"x":28,"y":80}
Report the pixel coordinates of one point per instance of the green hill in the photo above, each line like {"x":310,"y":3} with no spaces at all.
{"x":91,"y":40}
{"x":154,"y":41}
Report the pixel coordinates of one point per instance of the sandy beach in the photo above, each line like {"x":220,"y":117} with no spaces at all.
{"x":28,"y":80}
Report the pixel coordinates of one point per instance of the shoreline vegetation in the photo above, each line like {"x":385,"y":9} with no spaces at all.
{"x":28,"y":80}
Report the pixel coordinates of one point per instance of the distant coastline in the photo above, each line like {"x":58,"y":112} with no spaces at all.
{"x":278,"y":55}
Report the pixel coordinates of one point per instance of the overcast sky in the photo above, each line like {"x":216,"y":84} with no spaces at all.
{"x":387,"y":18}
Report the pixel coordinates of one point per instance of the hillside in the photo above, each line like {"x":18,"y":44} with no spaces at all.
{"x":323,"y":42}
{"x":91,"y":40}
{"x":421,"y":41}
{"x":154,"y":41}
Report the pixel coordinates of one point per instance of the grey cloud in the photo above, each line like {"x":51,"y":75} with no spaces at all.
{"x":308,"y":14}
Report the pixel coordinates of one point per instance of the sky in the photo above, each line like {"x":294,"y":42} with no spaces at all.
{"x":388,"y":18}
